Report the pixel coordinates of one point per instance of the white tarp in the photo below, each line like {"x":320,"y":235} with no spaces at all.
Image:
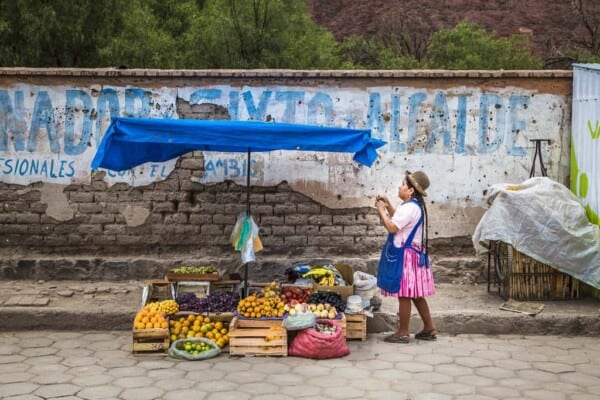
{"x":544,"y":220}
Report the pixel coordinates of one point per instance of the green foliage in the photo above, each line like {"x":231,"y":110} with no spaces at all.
{"x":469,"y":46}
{"x":359,"y":52}
{"x":587,"y":57}
{"x":234,"y":34}
{"x":146,"y":38}
{"x":258,"y":34}
{"x":58,"y":33}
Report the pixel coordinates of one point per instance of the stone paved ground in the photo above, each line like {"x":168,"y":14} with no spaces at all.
{"x":99,"y":365}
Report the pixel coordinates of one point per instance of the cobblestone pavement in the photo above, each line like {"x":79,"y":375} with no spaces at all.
{"x":99,"y":365}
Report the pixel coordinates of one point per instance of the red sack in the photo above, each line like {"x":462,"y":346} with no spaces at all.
{"x":310,"y":343}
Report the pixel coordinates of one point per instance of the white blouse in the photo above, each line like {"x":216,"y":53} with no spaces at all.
{"x":405,"y":218}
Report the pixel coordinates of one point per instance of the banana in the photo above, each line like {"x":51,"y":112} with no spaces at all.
{"x":317,"y":272}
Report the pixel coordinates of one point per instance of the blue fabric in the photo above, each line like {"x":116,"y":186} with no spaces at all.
{"x":391,"y":262}
{"x":129,"y":142}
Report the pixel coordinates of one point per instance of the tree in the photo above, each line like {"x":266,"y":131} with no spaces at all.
{"x":359,"y":52}
{"x":258,"y":34}
{"x":57,"y":33}
{"x":469,"y":46}
{"x":150,"y":35}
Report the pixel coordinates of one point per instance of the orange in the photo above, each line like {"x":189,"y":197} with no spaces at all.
{"x":210,"y":335}
{"x":149,"y":325}
{"x":223,"y":331}
{"x":191,"y":317}
{"x":206,"y":320}
{"x":219,"y":325}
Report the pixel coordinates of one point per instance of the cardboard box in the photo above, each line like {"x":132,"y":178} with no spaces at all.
{"x":344,"y":291}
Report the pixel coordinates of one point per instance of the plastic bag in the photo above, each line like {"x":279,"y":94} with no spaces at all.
{"x":365,"y":286}
{"x":299,"y":321}
{"x":244,"y":237}
{"x":184,"y":355}
{"x":364,"y":281}
{"x":310,"y":343}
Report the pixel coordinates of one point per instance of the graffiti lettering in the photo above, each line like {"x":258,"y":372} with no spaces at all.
{"x":45,"y":122}
{"x":37,"y":168}
{"x":228,"y":168}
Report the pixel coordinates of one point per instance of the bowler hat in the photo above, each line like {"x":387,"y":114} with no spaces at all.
{"x":419,"y":181}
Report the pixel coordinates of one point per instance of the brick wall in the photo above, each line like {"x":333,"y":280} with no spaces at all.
{"x":93,"y":230}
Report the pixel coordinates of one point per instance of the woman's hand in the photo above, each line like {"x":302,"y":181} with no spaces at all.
{"x":382,"y":200}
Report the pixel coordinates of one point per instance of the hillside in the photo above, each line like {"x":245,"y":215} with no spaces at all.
{"x":554,"y":25}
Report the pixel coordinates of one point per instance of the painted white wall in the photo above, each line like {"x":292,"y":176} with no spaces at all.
{"x":465,"y":139}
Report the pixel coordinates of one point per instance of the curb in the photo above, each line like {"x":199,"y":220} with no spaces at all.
{"x":449,"y":323}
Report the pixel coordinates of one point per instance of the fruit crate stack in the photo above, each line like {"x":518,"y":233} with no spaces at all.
{"x":150,"y":331}
{"x":256,"y":337}
{"x":356,"y":326}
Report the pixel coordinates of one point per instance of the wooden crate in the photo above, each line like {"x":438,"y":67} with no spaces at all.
{"x":173,"y":277}
{"x":356,"y":326}
{"x":150,"y":340}
{"x":257,"y":337}
{"x":198,"y":288}
{"x":159,"y":290}
{"x":230,"y":285}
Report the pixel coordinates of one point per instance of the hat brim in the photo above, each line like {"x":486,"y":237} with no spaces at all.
{"x":415,"y":184}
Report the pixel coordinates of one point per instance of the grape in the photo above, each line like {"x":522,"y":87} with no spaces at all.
{"x":328,"y":297}
{"x":214,"y":302}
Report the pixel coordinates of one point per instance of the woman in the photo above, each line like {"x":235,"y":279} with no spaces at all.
{"x":404,"y":265}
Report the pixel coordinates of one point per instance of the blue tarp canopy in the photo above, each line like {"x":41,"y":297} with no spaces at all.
{"x":129,"y":142}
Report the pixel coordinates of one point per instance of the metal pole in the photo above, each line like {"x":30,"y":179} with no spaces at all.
{"x":248,"y":214}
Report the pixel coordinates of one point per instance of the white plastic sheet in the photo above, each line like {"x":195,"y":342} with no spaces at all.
{"x":544,"y":220}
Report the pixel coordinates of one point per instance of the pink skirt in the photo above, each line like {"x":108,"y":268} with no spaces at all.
{"x":416,"y":281}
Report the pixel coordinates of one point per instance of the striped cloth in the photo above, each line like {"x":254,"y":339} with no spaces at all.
{"x":417,"y":281}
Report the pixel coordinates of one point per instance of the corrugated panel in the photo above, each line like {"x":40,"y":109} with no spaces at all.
{"x":585,"y":139}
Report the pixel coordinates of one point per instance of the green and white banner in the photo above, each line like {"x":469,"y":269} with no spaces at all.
{"x":585,"y":139}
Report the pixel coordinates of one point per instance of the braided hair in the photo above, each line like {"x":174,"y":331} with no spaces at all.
{"x":425,"y":231}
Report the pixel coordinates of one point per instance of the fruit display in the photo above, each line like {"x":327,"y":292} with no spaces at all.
{"x":322,"y":276}
{"x":214,"y":302}
{"x":206,"y":269}
{"x":323,"y":310}
{"x":198,"y":326}
{"x":299,"y":317}
{"x":166,"y":307}
{"x":294,"y":295}
{"x":267,"y":303}
{"x":194,"y":348}
{"x":326,"y":329}
{"x":332,"y":298}
{"x":150,"y":318}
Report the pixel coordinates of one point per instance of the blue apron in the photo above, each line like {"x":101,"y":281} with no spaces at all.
{"x":389,"y":272}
